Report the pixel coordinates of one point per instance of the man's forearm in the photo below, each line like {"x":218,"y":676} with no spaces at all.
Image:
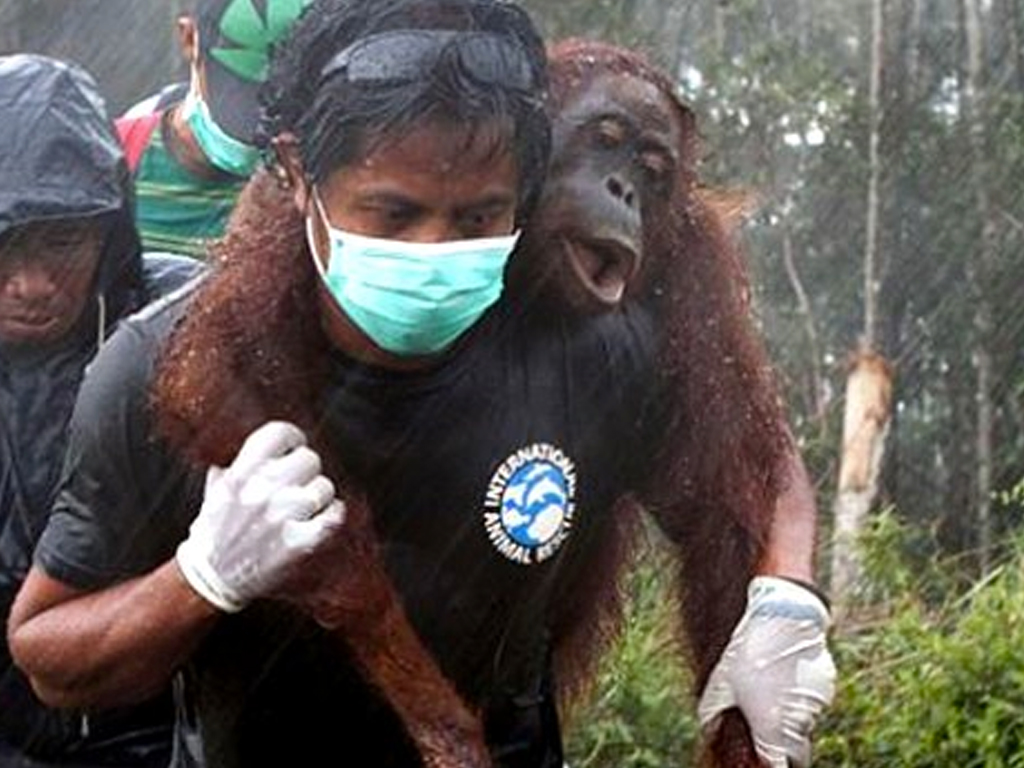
{"x":793,"y":535}
{"x":106,"y":648}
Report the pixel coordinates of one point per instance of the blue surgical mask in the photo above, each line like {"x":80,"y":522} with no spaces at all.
{"x":412,"y":298}
{"x":222,"y":150}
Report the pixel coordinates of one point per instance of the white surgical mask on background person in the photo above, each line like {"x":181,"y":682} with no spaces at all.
{"x":222,"y":150}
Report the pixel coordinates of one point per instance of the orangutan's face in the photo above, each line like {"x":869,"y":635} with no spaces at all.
{"x":614,"y":162}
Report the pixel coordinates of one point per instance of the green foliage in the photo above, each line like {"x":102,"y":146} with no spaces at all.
{"x":931,"y":672}
{"x":923,"y":685}
{"x":900,"y":566}
{"x":1014,"y":496}
{"x":641,"y":714}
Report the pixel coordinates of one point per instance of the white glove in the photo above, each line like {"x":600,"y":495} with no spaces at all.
{"x":261,"y":515}
{"x":777,"y":669}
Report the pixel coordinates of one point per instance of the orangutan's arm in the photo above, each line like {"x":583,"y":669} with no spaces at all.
{"x":347,"y":590}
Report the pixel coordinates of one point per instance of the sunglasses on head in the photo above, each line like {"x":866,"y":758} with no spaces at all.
{"x":408,"y":55}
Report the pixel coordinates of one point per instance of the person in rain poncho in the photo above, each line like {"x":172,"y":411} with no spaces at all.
{"x":70,"y":267}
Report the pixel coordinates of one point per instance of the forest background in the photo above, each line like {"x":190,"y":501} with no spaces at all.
{"x":883,"y":141}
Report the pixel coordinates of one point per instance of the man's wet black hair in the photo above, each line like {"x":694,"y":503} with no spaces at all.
{"x":336,"y":117}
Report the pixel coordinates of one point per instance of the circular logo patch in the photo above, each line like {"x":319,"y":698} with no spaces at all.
{"x":530,"y":503}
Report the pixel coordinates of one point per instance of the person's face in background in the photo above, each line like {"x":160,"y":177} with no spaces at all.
{"x":47,"y":269}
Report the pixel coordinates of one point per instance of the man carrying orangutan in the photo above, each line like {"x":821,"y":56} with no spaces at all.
{"x":354,"y":349}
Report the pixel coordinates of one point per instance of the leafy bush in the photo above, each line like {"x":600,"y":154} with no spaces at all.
{"x":928,"y":687}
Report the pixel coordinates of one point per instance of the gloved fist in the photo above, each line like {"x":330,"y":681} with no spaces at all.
{"x":777,"y":669}
{"x":269,"y":509}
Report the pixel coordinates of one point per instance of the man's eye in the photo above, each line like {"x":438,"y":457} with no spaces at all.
{"x":397,"y":213}
{"x":477,"y":223}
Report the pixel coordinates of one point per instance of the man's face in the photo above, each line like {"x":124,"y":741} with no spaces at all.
{"x":435,"y":184}
{"x":46,"y":275}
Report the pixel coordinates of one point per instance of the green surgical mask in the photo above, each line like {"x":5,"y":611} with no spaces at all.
{"x":412,"y":298}
{"x":222,"y":150}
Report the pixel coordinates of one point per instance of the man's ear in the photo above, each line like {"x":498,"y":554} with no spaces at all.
{"x":188,"y":38}
{"x":289,"y":168}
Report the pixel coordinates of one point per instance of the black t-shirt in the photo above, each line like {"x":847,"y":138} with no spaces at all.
{"x":490,"y":478}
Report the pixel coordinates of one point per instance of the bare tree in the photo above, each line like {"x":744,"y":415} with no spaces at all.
{"x":868,"y":405}
{"x":816,"y":386}
{"x":981,"y":263}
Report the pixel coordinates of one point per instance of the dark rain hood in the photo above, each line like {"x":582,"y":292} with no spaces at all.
{"x":59,"y":158}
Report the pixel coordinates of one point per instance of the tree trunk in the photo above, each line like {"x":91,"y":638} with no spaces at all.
{"x":817,"y":399}
{"x":720,"y":10}
{"x":1017,"y":45}
{"x":913,"y":63}
{"x":865,"y":427}
{"x":874,"y":176}
{"x":1011,"y":21}
{"x":869,"y":384}
{"x":804,"y":24}
{"x":975,"y":110}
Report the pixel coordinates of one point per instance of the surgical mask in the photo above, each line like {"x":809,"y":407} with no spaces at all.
{"x":412,"y":298}
{"x":222,"y":150}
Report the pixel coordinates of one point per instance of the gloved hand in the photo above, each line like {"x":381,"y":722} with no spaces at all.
{"x":269,"y":509}
{"x":777,"y":669}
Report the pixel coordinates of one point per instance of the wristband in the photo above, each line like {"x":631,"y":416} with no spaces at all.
{"x":812,"y":588}
{"x":204,"y":580}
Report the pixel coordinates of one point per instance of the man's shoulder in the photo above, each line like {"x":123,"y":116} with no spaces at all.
{"x":122,"y":368}
{"x":138,"y":338}
{"x":164,"y":272}
{"x":155,"y":319}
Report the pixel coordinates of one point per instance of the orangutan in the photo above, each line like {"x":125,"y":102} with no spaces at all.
{"x":623,"y":221}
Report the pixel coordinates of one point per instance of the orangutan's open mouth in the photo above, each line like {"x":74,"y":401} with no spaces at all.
{"x":604,"y":266}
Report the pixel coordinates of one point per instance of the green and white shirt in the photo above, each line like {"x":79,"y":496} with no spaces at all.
{"x":178,"y":211}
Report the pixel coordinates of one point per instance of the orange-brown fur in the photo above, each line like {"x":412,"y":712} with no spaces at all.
{"x":716,"y":479}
